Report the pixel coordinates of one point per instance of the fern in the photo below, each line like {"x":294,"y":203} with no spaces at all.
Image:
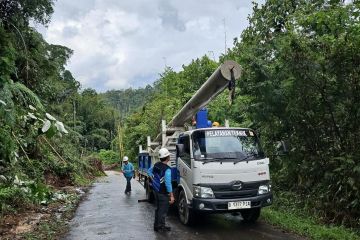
{"x":24,"y":96}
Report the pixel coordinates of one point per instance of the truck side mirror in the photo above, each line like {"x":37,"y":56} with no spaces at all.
{"x":282,"y":148}
{"x":180,"y":150}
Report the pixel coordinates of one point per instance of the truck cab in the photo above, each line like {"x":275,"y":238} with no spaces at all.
{"x":221,"y":170}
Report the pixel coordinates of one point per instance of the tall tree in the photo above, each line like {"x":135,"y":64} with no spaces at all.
{"x":301,"y":75}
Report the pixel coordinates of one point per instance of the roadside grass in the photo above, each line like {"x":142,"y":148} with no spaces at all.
{"x":306,"y":226}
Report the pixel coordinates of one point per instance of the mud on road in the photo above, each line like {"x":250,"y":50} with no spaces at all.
{"x":108,"y":213}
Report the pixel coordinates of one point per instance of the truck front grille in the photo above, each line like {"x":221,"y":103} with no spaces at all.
{"x":235,"y":194}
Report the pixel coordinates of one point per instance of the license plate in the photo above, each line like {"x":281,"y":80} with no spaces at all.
{"x":239,"y":205}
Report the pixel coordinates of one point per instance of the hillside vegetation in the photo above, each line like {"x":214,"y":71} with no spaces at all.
{"x":128,"y":100}
{"x":48,"y":125}
{"x":52,"y":132}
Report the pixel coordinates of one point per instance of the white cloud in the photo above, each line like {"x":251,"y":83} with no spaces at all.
{"x":119,"y":44}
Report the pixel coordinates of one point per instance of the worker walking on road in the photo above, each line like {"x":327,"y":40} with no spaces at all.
{"x":128,"y":171}
{"x":160,"y":174}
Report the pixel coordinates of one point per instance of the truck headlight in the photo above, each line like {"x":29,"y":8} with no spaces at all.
{"x":263,"y":189}
{"x":203,"y":192}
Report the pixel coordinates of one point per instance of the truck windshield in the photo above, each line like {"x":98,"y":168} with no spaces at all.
{"x":224,"y":144}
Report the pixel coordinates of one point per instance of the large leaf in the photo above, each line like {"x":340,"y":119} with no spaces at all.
{"x":50,"y":117}
{"x":60,"y":127}
{"x":32,"y":107}
{"x":31,"y":115}
{"x":46,"y":126}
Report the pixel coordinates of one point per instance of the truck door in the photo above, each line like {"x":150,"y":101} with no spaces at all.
{"x":186,"y":178}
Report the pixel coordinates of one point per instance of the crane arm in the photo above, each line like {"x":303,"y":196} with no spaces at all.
{"x":215,"y":84}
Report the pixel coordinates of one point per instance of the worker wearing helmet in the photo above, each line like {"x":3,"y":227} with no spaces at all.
{"x":216,"y":124}
{"x":160,"y":175}
{"x":128,"y":171}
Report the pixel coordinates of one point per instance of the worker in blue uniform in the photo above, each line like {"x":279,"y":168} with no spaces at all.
{"x":160,"y":175}
{"x":128,"y":171}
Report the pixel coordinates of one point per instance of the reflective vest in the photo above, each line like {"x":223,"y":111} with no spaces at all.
{"x":159,"y":177}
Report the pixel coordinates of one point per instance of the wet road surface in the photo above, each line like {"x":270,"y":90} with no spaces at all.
{"x":108,"y":213}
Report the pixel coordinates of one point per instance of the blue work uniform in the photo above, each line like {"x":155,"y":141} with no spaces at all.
{"x":161,"y":178}
{"x":161,"y":183}
{"x":128,"y":171}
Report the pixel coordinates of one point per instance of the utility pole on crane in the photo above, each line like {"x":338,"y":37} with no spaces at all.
{"x":120,"y":141}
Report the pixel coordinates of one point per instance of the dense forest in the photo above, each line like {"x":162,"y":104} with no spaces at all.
{"x":129,"y":100}
{"x":300,"y":83}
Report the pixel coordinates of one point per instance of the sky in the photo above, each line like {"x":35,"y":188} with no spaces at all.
{"x":127,"y":43}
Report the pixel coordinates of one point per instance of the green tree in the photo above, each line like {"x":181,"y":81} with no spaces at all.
{"x":301,"y":79}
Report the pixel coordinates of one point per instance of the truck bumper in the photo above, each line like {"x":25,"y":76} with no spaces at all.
{"x":221,"y":205}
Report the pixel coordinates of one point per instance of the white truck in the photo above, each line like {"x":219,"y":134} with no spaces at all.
{"x":214,"y":169}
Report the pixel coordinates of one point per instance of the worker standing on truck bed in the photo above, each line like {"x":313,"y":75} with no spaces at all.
{"x":128,"y":171}
{"x":160,"y":174}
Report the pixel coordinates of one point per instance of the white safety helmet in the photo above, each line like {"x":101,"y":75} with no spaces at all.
{"x":125,"y":159}
{"x":163,"y":153}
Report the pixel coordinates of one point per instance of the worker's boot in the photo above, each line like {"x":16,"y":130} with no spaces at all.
{"x":162,"y":229}
{"x":166,"y":228}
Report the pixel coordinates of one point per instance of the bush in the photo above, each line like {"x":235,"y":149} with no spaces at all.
{"x":109,"y":157}
{"x":12,"y":197}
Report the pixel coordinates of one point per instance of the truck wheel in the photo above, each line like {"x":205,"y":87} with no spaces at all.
{"x":250,"y":215}
{"x":149,"y":192}
{"x":185,"y":214}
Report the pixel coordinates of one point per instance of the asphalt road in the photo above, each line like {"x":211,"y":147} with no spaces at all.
{"x":108,"y":213}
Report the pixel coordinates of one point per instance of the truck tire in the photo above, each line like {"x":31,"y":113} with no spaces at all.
{"x":185,"y":213}
{"x":149,"y":192}
{"x":250,"y":215}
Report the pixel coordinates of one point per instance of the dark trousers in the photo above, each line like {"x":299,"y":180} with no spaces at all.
{"x":128,"y":184}
{"x":162,"y":207}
